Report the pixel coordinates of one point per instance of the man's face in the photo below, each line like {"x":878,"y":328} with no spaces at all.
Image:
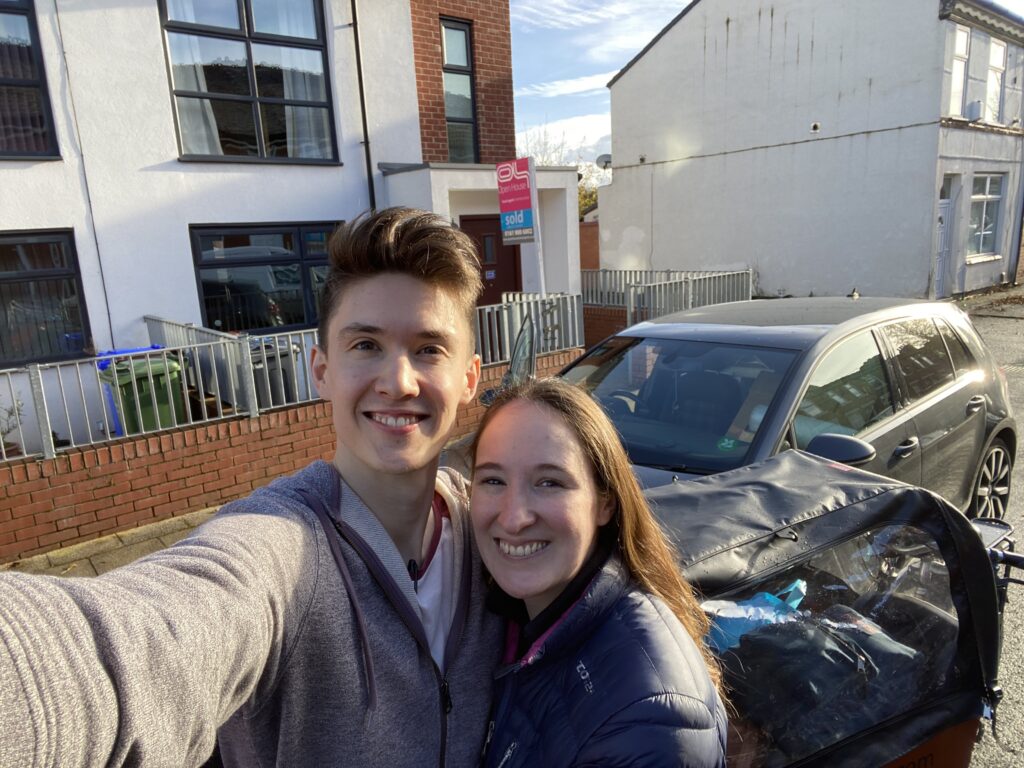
{"x":396,"y":365}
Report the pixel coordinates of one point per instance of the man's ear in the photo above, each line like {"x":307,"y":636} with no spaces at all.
{"x":606,"y":511}
{"x":472,"y":379}
{"x":318,"y":367}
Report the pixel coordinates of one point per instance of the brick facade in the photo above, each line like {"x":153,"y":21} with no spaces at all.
{"x":600,"y":322}
{"x":590,"y":245}
{"x":92,"y":491}
{"x":492,"y":76}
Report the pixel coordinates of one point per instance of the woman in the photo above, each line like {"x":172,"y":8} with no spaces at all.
{"x":605,"y":662}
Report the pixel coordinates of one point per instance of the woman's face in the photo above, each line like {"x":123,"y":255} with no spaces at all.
{"x":535,"y":506}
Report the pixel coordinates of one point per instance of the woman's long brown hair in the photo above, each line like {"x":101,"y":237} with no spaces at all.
{"x":643,"y":546}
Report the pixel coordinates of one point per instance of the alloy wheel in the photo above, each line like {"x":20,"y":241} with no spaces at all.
{"x":992,"y":490}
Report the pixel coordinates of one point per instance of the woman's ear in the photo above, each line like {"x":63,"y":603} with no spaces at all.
{"x":606,"y":510}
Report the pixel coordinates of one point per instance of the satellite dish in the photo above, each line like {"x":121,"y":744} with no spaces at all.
{"x":604,"y":162}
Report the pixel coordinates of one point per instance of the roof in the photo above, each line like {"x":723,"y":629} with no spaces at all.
{"x":1005,"y":22}
{"x":783,"y":323}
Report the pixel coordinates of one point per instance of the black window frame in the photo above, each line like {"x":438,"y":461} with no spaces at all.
{"x":298,"y":230}
{"x":26,"y":8}
{"x":247,"y":35}
{"x":71,"y":272}
{"x":466,"y":27}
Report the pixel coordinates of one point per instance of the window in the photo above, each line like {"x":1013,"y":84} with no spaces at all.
{"x":249,"y":79}
{"x":961,"y":50}
{"x":963,"y":360}
{"x":42,"y":315}
{"x":848,"y":392}
{"x":260,"y":278}
{"x":921,"y":356}
{"x":26,"y":124}
{"x":986,"y":195}
{"x":459,"y":109}
{"x":996,"y":76}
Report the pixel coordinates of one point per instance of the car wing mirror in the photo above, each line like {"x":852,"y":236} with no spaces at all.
{"x":845,"y":449}
{"x":521,"y":365}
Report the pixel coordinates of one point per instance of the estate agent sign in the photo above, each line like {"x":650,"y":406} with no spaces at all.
{"x":517,"y":201}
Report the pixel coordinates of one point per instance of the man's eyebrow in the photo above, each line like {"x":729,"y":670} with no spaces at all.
{"x":427,"y":333}
{"x":356,"y":328}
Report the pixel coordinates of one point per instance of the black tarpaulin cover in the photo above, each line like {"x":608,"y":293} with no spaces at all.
{"x":897,"y":638}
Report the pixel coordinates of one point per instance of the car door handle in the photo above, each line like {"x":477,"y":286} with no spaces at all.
{"x":975,"y":404}
{"x":906,"y":448}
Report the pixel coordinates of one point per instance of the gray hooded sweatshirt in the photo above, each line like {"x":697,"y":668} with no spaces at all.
{"x":250,"y":624}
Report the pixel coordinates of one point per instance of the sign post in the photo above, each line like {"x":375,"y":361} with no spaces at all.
{"x":517,"y":203}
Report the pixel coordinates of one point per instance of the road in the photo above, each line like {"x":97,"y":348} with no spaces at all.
{"x":1004,"y":335}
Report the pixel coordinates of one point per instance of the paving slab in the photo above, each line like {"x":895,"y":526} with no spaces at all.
{"x":151,"y":530}
{"x":115,"y":558}
{"x":174,"y":537}
{"x":82,"y":551}
{"x":77,"y":568}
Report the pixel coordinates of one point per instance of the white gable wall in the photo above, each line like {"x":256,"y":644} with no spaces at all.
{"x":716,"y":164}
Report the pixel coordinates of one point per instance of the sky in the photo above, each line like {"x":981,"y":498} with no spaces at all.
{"x":564,"y":52}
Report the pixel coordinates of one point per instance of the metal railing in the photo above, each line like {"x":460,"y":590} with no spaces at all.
{"x":610,"y":287}
{"x":557,"y":318}
{"x":194,"y":375}
{"x":646,"y":302}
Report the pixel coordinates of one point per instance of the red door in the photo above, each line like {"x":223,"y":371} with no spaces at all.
{"x":499,"y":264}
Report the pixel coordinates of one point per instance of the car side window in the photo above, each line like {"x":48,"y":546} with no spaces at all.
{"x":963,"y":360}
{"x":848,"y":391}
{"x":921,"y":356}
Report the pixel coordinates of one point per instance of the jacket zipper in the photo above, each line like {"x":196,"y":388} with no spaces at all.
{"x":411,"y":620}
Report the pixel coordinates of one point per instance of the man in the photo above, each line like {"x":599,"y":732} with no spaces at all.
{"x":334,"y":617}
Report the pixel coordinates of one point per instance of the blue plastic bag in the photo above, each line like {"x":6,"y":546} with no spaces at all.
{"x":731,"y":619}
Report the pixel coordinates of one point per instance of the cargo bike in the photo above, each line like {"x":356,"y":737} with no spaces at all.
{"x":857,"y":620}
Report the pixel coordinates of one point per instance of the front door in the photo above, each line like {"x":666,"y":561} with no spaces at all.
{"x":942,"y":260}
{"x":499,"y":264}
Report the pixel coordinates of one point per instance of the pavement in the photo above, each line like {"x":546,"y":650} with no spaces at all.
{"x":92,"y":558}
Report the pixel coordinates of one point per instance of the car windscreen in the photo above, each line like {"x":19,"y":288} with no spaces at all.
{"x":683,"y":405}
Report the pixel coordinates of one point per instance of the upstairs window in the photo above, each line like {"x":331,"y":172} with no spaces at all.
{"x":26,"y":124}
{"x":958,"y":80}
{"x":459,"y":104}
{"x":249,"y":80}
{"x":996,"y":77}
{"x":261,"y":278}
{"x":42,"y":315}
{"x":982,"y":231}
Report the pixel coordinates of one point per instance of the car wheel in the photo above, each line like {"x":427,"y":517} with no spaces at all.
{"x":992,"y":487}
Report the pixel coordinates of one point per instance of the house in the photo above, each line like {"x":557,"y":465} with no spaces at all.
{"x":175,"y":162}
{"x":189,"y":158}
{"x":874,"y":145}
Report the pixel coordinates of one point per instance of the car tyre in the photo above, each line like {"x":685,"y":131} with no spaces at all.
{"x":991,"y":491}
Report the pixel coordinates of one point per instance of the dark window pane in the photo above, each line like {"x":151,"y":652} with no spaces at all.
{"x":458,"y":96}
{"x":316,"y":243}
{"x":264,"y":245}
{"x":212,"y":13}
{"x":16,"y":48}
{"x":39,"y":319}
{"x":317,"y":279}
{"x":296,"y":131}
{"x":293,"y":18}
{"x":490,"y":257}
{"x":246,"y":298}
{"x":289,"y":73}
{"x":25,"y":257}
{"x":208,"y":64}
{"x":461,"y":146}
{"x":456,"y":46}
{"x":921,"y":356}
{"x":211,"y":127}
{"x":963,"y":360}
{"x":22,"y":124}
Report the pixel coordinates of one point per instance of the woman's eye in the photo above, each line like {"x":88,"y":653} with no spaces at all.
{"x":549,"y":483}
{"x":489,"y":481}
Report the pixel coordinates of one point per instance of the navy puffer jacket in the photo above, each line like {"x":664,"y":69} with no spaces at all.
{"x":617,"y":681}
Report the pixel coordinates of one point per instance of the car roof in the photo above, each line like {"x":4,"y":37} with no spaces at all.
{"x":793,"y":323}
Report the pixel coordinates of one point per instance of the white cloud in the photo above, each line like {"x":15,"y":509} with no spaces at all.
{"x":576,"y":85}
{"x":573,"y":14}
{"x":567,"y":141}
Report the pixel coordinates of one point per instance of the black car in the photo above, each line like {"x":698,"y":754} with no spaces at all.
{"x":899,"y":387}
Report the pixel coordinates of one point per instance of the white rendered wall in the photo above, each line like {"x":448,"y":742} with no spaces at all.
{"x":143,"y":198}
{"x":720,"y":111}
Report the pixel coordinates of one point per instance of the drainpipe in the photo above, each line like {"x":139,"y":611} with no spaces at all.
{"x":362,"y":108}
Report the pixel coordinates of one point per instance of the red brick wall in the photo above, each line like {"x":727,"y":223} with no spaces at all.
{"x":492,"y":75}
{"x":601,"y":322}
{"x":590,"y":249}
{"x":89,"y":492}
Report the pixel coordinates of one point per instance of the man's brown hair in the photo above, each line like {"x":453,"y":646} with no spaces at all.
{"x":402,"y":241}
